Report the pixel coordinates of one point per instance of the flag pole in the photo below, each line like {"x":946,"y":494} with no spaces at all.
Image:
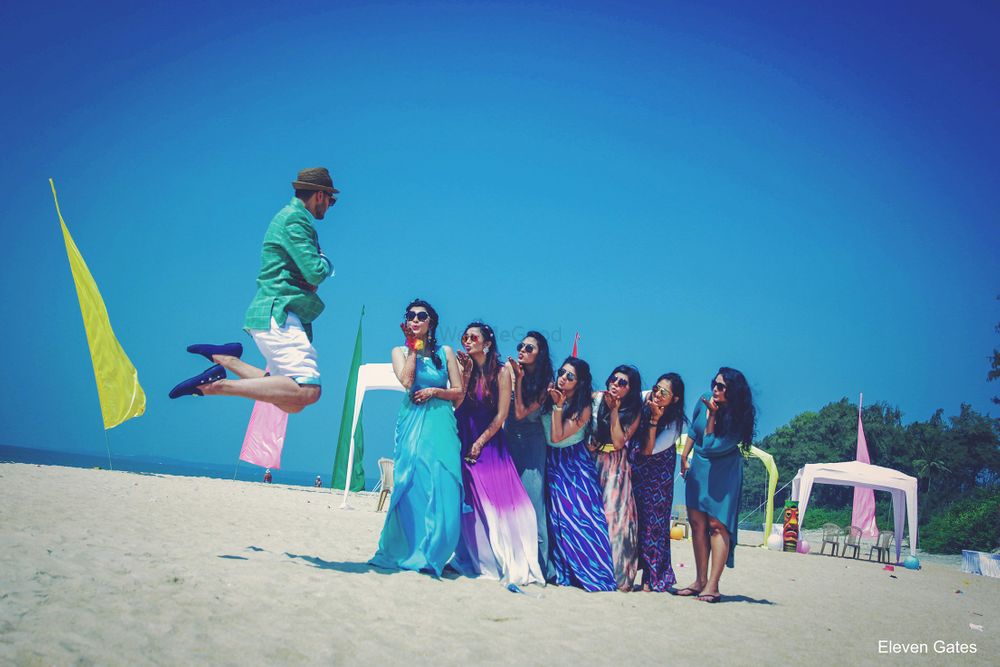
{"x":107,"y":444}
{"x":237,"y":469}
{"x":349,"y":426}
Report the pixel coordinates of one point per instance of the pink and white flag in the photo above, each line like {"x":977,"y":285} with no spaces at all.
{"x":863,"y":514}
{"x":265,"y":436}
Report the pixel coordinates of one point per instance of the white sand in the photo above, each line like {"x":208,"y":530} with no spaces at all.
{"x":111,"y":568}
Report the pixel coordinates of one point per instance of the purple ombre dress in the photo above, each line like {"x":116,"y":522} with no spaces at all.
{"x":499,"y":532}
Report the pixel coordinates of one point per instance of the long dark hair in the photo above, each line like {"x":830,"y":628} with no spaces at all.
{"x":581,"y":396}
{"x":673,"y":414}
{"x":432,"y":346}
{"x":489,"y":373}
{"x":628,"y":409}
{"x":536,"y":382}
{"x":737,"y":416}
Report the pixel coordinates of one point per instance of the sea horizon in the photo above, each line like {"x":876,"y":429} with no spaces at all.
{"x":146,"y":464}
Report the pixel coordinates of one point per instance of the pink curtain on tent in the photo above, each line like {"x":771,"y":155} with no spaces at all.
{"x":265,"y":436}
{"x":863,"y":514}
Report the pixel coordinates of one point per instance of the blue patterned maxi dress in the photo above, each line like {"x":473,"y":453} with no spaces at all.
{"x":578,"y":529}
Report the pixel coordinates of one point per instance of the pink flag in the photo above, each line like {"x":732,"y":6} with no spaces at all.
{"x":863,"y":515}
{"x":265,"y":436}
{"x":576,"y":340}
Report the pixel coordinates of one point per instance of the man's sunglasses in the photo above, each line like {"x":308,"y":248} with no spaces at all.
{"x":528,"y":348}
{"x":570,"y":375}
{"x":419,"y":316}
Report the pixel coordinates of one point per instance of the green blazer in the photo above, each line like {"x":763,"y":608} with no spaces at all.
{"x":291,"y":268}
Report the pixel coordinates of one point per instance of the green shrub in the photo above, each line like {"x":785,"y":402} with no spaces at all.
{"x":970,"y":523}
{"x":817,"y":516}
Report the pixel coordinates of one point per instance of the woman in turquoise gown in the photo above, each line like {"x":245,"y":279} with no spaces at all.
{"x":423,"y":523}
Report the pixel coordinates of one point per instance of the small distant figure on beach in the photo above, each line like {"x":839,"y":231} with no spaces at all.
{"x":267,"y":476}
{"x":318,"y":483}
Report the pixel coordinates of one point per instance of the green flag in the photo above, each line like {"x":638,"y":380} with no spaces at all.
{"x":339,"y":476}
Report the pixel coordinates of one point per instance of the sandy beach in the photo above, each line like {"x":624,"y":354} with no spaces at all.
{"x":111,"y":568}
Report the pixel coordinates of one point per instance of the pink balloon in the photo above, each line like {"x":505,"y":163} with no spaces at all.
{"x":803,"y":547}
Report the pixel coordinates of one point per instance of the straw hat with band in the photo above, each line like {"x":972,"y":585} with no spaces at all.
{"x":317,"y":178}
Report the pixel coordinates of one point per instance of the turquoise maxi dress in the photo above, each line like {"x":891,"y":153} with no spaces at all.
{"x":423,"y":524}
{"x":714,"y":482}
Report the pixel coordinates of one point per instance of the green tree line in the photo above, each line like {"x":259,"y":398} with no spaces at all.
{"x":956,"y":461}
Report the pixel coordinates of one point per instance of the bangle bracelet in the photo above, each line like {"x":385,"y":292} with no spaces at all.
{"x":557,"y":408}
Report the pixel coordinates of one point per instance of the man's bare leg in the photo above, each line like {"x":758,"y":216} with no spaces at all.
{"x":238,"y":366}
{"x":283,"y":392}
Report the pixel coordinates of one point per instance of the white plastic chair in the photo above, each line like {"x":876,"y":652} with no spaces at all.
{"x":385,"y":467}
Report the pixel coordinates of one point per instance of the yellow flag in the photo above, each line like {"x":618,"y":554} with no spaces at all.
{"x":772,"y":484}
{"x":117,"y":380}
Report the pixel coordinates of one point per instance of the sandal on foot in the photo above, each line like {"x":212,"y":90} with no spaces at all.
{"x":711,"y":599}
{"x":687,"y":592}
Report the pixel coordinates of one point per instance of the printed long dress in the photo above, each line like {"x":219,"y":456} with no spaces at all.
{"x":578,"y":529}
{"x":499,"y":536}
{"x":615,"y":477}
{"x":714,"y":482}
{"x":653,"y":487}
{"x":527,"y":445}
{"x":423,"y":523}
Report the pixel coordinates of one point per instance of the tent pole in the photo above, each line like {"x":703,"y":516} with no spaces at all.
{"x":347,"y":478}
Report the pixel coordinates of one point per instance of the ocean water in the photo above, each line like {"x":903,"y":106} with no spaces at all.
{"x":165,"y":466}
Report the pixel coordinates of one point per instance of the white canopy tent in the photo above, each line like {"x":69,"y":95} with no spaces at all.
{"x":370,"y":377}
{"x":855,"y":473}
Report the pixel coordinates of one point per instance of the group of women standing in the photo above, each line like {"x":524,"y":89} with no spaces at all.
{"x":521,"y":472}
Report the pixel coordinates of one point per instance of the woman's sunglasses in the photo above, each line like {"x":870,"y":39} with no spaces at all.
{"x":660,"y":391}
{"x":420,"y":316}
{"x":527,"y":347}
{"x":570,"y":375}
{"x":471,"y":338}
{"x":621,"y":382}
{"x":719,"y":386}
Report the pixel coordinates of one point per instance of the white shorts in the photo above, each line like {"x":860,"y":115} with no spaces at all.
{"x":287,"y":350}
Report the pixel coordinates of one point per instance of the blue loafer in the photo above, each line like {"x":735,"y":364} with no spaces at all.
{"x":206,"y":350}
{"x":190,"y":386}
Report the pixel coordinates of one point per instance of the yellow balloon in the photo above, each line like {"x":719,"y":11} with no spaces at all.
{"x":677,"y":533}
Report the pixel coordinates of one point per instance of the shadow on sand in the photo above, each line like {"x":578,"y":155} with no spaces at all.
{"x":744,"y":598}
{"x":361,"y":568}
{"x":337,"y":566}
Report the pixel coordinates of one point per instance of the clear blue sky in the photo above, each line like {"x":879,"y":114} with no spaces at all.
{"x":809,"y":194}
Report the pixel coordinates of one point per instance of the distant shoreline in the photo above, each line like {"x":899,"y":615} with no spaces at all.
{"x":246,"y":472}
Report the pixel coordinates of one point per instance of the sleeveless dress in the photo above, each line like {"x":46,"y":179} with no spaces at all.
{"x":527,"y":445}
{"x":653,"y":486}
{"x":714,"y":482}
{"x":499,"y":535}
{"x":615,"y":476}
{"x":578,"y":530}
{"x":423,"y":523}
